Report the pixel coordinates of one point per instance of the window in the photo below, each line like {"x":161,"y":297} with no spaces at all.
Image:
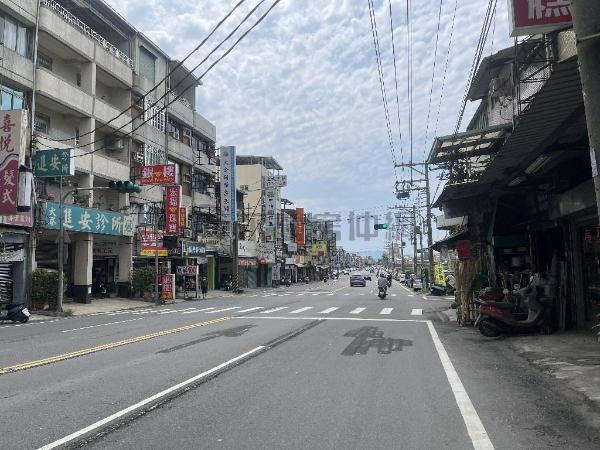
{"x":244,"y":187}
{"x":153,"y":155}
{"x":44,"y":61}
{"x":152,"y":114}
{"x":41,"y":123}
{"x":15,"y":35}
{"x":11,"y":98}
{"x":174,"y":129}
{"x":76,"y":136}
{"x":147,"y":65}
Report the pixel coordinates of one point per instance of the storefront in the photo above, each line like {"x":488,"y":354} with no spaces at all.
{"x":14,"y":239}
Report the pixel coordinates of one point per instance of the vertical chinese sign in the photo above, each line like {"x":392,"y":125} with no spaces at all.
{"x":168,"y":286}
{"x":13,"y":135}
{"x":173,"y":197}
{"x":300,"y":226}
{"x":228,"y":192}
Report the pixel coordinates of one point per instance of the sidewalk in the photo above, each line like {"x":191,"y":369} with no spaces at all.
{"x":573,"y":358}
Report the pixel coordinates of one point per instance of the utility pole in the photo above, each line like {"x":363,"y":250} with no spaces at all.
{"x":401,"y":249}
{"x":429,"y":227}
{"x":421,"y":245}
{"x":234,"y":244}
{"x":414,"y":227}
{"x":586,"y":24}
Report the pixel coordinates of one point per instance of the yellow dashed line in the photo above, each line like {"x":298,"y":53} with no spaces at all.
{"x":99,"y":348}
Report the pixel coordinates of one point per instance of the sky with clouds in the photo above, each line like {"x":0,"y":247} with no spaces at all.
{"x":303,"y":87}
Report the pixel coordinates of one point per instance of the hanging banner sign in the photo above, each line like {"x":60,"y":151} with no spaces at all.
{"x":13,"y":135}
{"x":159,"y":174}
{"x":266,"y":251}
{"x":87,"y":220}
{"x":187,"y":270}
{"x":228,"y":192}
{"x":193,"y":249}
{"x":212,"y":243}
{"x":300,"y":226}
{"x":18,"y":220}
{"x":247,"y":248}
{"x":274,"y":181}
{"x":173,"y":197}
{"x":183,"y":218}
{"x":168,"y":286}
{"x":247,"y":262}
{"x":55,"y":162}
{"x":529,"y":17}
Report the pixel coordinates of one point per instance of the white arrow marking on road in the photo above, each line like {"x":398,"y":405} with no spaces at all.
{"x":198,"y":310}
{"x":328,"y":310}
{"x":251,"y":309}
{"x":357,"y":310}
{"x":273,"y":310}
{"x":416,"y":312}
{"x":224,"y":309}
{"x":386,"y":311}
{"x":298,"y":311}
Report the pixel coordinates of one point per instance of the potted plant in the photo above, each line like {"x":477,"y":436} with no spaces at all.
{"x":142,"y":280}
{"x":111,"y":289}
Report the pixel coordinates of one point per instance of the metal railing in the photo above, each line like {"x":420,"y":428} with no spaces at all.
{"x":68,"y":17}
{"x":183,"y":100}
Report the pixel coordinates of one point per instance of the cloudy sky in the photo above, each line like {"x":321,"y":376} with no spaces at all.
{"x":303,"y":87}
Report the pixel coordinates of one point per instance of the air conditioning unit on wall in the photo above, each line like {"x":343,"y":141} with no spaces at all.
{"x":113,"y":143}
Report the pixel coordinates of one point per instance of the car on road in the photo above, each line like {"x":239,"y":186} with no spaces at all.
{"x":417,"y":285}
{"x":356,"y":279}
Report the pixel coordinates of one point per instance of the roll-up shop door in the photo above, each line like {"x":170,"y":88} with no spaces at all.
{"x":6,"y":282}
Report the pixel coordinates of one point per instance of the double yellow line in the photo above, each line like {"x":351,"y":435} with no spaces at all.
{"x":99,"y":348}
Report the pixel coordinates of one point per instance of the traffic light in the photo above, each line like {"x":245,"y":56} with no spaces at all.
{"x":381,"y":226}
{"x":125,"y":187}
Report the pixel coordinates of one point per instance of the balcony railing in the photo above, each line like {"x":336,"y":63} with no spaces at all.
{"x":182,"y":99}
{"x":85,"y":29}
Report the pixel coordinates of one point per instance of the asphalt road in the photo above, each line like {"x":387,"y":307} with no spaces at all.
{"x":321,"y":366}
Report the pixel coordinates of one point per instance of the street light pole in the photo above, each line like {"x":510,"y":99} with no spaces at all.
{"x":429,"y":227}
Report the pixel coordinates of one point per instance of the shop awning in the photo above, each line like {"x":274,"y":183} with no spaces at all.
{"x":450,"y":241}
{"x":469,"y":144}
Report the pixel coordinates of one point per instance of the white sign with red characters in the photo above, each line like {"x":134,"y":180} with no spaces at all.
{"x":172,"y":210}
{"x":529,"y":17}
{"x":13,"y":126}
{"x":168,"y":286}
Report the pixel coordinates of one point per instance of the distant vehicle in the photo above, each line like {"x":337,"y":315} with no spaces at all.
{"x":417,"y":284}
{"x":367,"y":276}
{"x":346,"y":272}
{"x":356,"y":279}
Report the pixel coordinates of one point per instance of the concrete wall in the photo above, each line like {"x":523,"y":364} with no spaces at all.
{"x":68,"y":35}
{"x":16,"y":67}
{"x":24,"y":10}
{"x":205,"y":127}
{"x":180,"y":151}
{"x":60,"y":91}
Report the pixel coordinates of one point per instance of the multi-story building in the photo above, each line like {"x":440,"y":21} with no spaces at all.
{"x":98,"y":87}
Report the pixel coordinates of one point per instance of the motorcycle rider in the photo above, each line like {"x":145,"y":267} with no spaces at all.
{"x":382,"y":282}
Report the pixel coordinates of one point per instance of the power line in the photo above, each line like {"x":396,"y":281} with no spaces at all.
{"x":409,"y":83}
{"x":188,"y":75}
{"x":382,"y":83}
{"x":396,"y":82}
{"x":171,"y":71}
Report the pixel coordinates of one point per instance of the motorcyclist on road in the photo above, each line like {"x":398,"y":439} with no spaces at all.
{"x":382,"y":281}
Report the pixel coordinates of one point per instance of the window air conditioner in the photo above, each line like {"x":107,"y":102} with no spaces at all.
{"x":112,"y":143}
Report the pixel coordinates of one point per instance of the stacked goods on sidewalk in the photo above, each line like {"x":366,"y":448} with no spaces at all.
{"x":465,"y":271}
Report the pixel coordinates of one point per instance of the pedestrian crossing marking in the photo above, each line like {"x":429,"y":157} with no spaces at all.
{"x":251,"y":309}
{"x":328,"y":310}
{"x":273,"y":310}
{"x":416,"y":312}
{"x":224,"y":309}
{"x":298,"y":311}
{"x":357,"y":310}
{"x":198,"y":310}
{"x":386,"y":311}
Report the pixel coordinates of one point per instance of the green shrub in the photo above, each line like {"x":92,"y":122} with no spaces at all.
{"x":142,"y":279}
{"x":44,"y":285}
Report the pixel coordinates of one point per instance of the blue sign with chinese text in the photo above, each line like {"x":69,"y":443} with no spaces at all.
{"x":56,"y":162}
{"x":87,"y":220}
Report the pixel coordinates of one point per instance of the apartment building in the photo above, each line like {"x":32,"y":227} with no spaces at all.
{"x":92,"y":90}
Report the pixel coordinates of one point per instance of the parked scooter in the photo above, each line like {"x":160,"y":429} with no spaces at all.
{"x":227,"y":285}
{"x":16,"y":312}
{"x":325,"y":279}
{"x":306,"y":280}
{"x":501,"y":312}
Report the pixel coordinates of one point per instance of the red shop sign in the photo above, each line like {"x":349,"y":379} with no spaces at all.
{"x":172,"y":211}
{"x":463,"y":249}
{"x":159,"y":174}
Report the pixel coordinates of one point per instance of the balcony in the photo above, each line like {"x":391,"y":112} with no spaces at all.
{"x":201,"y":200}
{"x":205,"y":127}
{"x":53,"y":23}
{"x":83,"y":29}
{"x":25,"y":8}
{"x":16,"y":67}
{"x":64,"y":93}
{"x":105,"y":113}
{"x":148,"y":134}
{"x":180,"y":151}
{"x":181,"y":109}
{"x":104,"y":167}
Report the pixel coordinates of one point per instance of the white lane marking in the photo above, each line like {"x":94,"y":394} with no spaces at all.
{"x":280,"y":295}
{"x":416,"y":312}
{"x":449,"y":298}
{"x":386,"y":311}
{"x":331,"y":318}
{"x":357,"y":310}
{"x":330,"y":293}
{"x":300,"y":295}
{"x":411,"y":295}
{"x":273,"y":310}
{"x":347,"y":293}
{"x":198,"y":310}
{"x":255,"y":295}
{"x":316,"y":293}
{"x":168,"y":312}
{"x":298,"y":311}
{"x":148,"y":400}
{"x":425,"y":297}
{"x":251,"y":309}
{"x":476,"y":430}
{"x":393,"y":295}
{"x":224,"y":309}
{"x":362,"y":293}
{"x":328,"y":310}
{"x":102,"y":325}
